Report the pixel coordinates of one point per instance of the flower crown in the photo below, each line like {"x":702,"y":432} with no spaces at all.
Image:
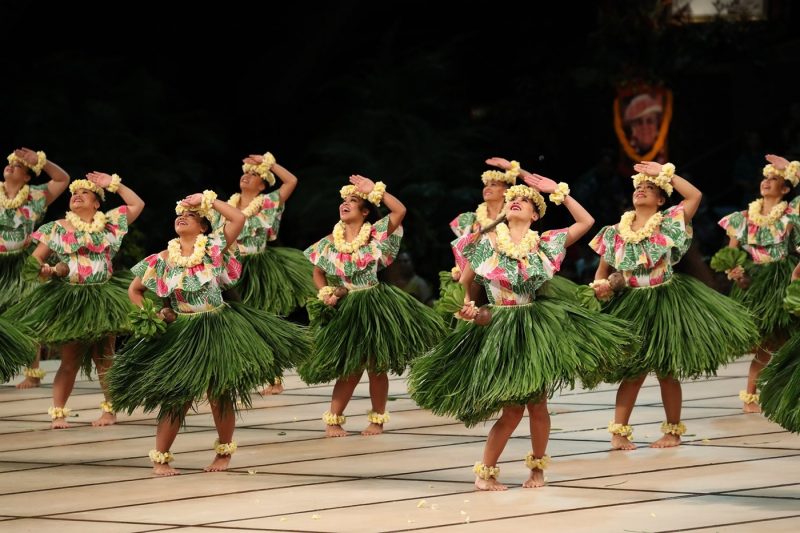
{"x":374,"y":197}
{"x":509,"y":176}
{"x":204,"y":209}
{"x":527,"y":192}
{"x":663,"y":180}
{"x":790,"y":173}
{"x":89,"y":186}
{"x":37,"y":168}
{"x":262,"y":170}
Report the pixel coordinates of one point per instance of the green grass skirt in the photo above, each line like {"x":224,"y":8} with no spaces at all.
{"x":278,"y":280}
{"x":687,"y":329}
{"x":17,"y":350}
{"x":380,"y":329}
{"x":290,"y":342}
{"x":764,"y":298}
{"x":779,"y":385}
{"x":524,"y":354}
{"x":219,"y":353}
{"x":58,"y":312}
{"x":451,"y":295}
{"x":12,"y":287}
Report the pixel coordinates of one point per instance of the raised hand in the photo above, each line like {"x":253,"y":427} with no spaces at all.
{"x":364,"y":185}
{"x":101,"y":179}
{"x":193,"y":200}
{"x":777,"y":161}
{"x":27,"y":155}
{"x":540,"y":183}
{"x":330,"y":300}
{"x":651,"y":168}
{"x":499,"y":162}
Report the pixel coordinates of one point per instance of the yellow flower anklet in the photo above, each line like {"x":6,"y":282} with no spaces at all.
{"x":673,"y":429}
{"x":107,"y":407}
{"x":225,"y":449}
{"x":331,"y":419}
{"x":378,"y":418}
{"x":748,"y":398}
{"x":162,"y":458}
{"x":486,"y":472}
{"x":533,"y":463}
{"x":37,"y":373}
{"x":623,"y":430}
{"x":59,"y":412}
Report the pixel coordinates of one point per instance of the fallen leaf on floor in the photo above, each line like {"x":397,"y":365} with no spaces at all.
{"x":422,"y":503}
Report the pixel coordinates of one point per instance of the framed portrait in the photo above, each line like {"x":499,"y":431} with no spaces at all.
{"x":642,"y":115}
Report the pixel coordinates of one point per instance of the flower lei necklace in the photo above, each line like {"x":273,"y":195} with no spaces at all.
{"x":346,"y":247}
{"x":18,"y":200}
{"x":97,"y":224}
{"x":762,"y":221}
{"x":252,"y":208}
{"x":516,"y":251}
{"x":175,"y":257}
{"x":630,"y":236}
{"x":482,"y":215}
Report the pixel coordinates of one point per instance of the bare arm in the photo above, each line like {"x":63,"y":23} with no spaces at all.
{"x":136,"y":291}
{"x":59,"y":179}
{"x":288,"y":182}
{"x":133,"y":201}
{"x":319,"y":277}
{"x":583,"y":220}
{"x":691,"y":196}
{"x":397,"y":211}
{"x":234,"y":221}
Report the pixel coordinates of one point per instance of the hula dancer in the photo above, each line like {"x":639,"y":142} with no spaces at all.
{"x":275,"y":279}
{"x":759,"y":261}
{"x":514,"y":354}
{"x":359,"y":323}
{"x":687,"y":329}
{"x":86,"y":308}
{"x":22,"y":207}
{"x":779,"y":382}
{"x":207,"y":348}
{"x":495,"y":185}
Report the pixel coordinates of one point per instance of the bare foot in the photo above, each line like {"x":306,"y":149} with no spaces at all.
{"x":29,"y":383}
{"x":163,"y":469}
{"x":489,"y":484}
{"x":618,"y":442}
{"x":335,"y":431}
{"x":272,"y":389}
{"x":373,"y":429}
{"x":747,"y":408}
{"x":667,"y":441}
{"x":59,"y":423}
{"x":106,"y":419}
{"x":536,"y":479}
{"x":219,"y":464}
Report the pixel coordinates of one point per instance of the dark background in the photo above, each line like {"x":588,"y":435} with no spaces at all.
{"x":172,"y":99}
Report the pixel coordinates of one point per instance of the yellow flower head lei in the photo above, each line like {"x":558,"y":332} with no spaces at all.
{"x":515,"y":251}
{"x":346,"y":247}
{"x":645,"y":232}
{"x":763,"y":221}
{"x":530,"y":193}
{"x":204,"y":209}
{"x":37,"y":168}
{"x":89,"y":186}
{"x":97,"y":225}
{"x":17,"y":201}
{"x":253,"y":208}
{"x":791,"y":173}
{"x":663,"y":180}
{"x":482,"y":215}
{"x":174,"y":252}
{"x":509,"y":176}
{"x":374,"y":196}
{"x":262,"y":170}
